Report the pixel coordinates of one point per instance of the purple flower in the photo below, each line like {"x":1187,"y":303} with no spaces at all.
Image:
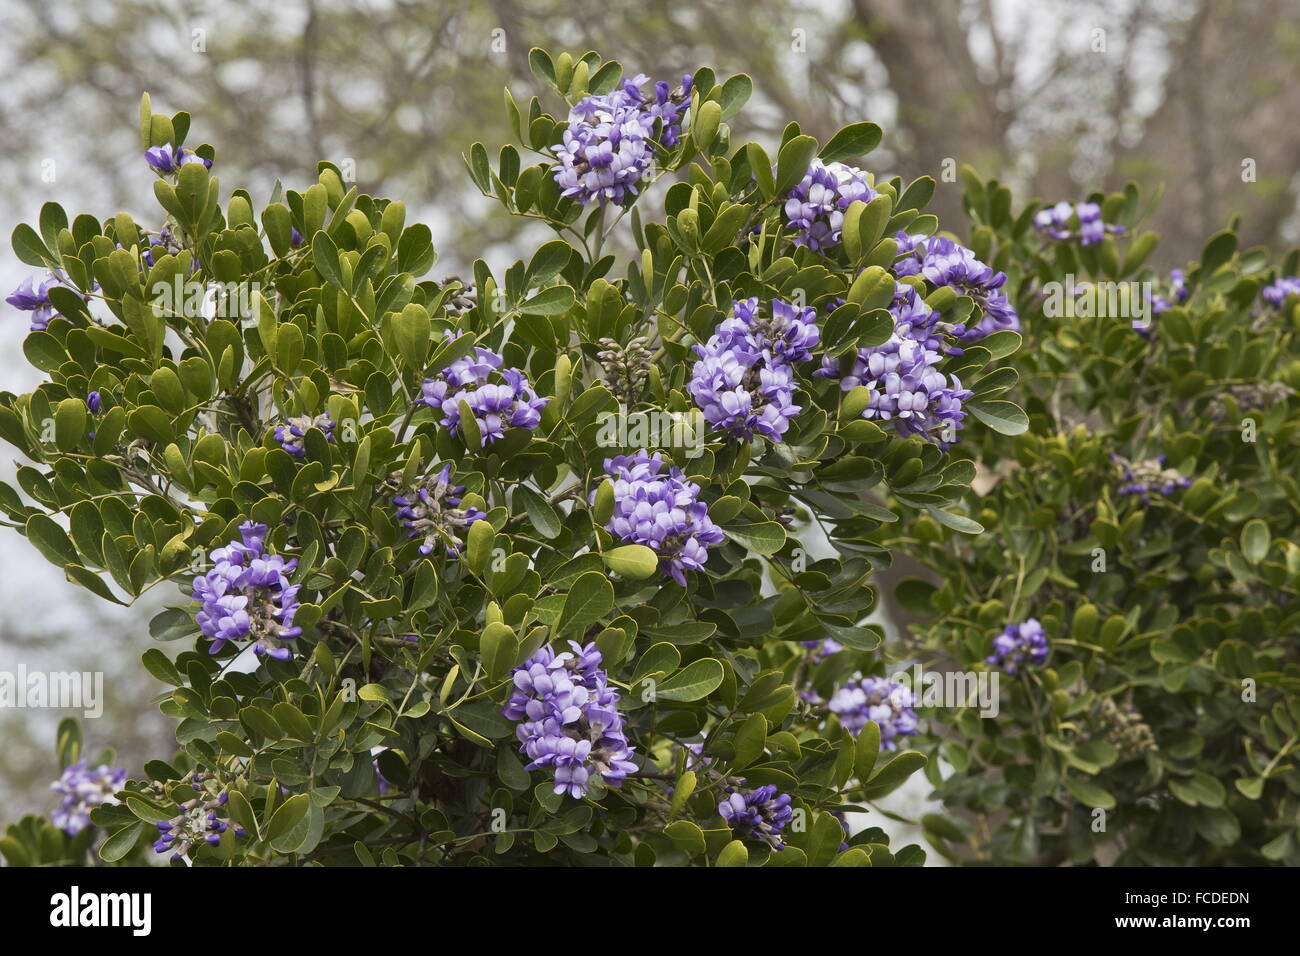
{"x":290,"y":435}
{"x":84,"y":788}
{"x":431,"y":510}
{"x":248,"y":595}
{"x":496,"y":406}
{"x":759,"y":814}
{"x":569,"y":719}
{"x":943,"y":262}
{"x":200,"y":820}
{"x":815,"y":207}
{"x":1148,"y":477}
{"x":609,"y":143}
{"x":902,"y":374}
{"x":94,"y":402}
{"x":168,"y":159}
{"x":744,"y":380}
{"x":1274,"y":294}
{"x":1054,"y":222}
{"x":35,"y":298}
{"x":1019,"y":645}
{"x":887,"y":703}
{"x":662,"y":512}
{"x":292,"y":432}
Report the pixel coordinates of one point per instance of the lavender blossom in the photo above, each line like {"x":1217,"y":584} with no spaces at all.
{"x":290,"y":435}
{"x":815,"y":207}
{"x":609,"y":143}
{"x":943,"y":262}
{"x":759,"y":814}
{"x":569,"y":719}
{"x":247,"y":594}
{"x":744,"y":380}
{"x":902,"y":374}
{"x":1274,"y":294}
{"x":84,"y":788}
{"x":496,"y":406}
{"x":201,"y":820}
{"x":431,"y":510}
{"x":167,"y":159}
{"x":34,"y":297}
{"x":662,"y":512}
{"x":887,"y":703}
{"x":1055,"y":223}
{"x":1148,"y":477}
{"x":1019,"y":645}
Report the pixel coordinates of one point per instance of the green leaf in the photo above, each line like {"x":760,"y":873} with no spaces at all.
{"x":1255,"y":539}
{"x":632,"y":561}
{"x":69,"y":423}
{"x":554,"y":300}
{"x":1090,"y":794}
{"x":29,"y":248}
{"x":51,"y":540}
{"x":287,"y":816}
{"x":852,"y":142}
{"x":498,"y":647}
{"x":733,"y":854}
{"x":590,"y":598}
{"x":792,"y":162}
{"x":763,"y":537}
{"x":325,"y":257}
{"x":955,"y":521}
{"x":121,"y":843}
{"x":1005,"y":418}
{"x":540,"y":512}
{"x":478,"y":545}
{"x":693,"y":682}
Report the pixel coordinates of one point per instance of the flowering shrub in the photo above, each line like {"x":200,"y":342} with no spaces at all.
{"x":428,"y":610}
{"x":1137,"y":584}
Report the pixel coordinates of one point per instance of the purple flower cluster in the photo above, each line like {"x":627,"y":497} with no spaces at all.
{"x":759,"y":814}
{"x":744,"y":380}
{"x":822,"y":649}
{"x":902,"y":374}
{"x":84,"y":787}
{"x":198,"y":821}
{"x":431,"y":510}
{"x":662,"y":512}
{"x":247,"y":594}
{"x":887,"y":703}
{"x":944,"y":262}
{"x":168,"y":159}
{"x":1274,"y":294}
{"x":1148,"y":477}
{"x":815,"y":207}
{"x":569,"y":719}
{"x":609,"y":143}
{"x":1055,"y":222}
{"x":1018,"y":646}
{"x":292,"y":432}
{"x":1179,"y":291}
{"x":34,"y":297}
{"x":496,"y":406}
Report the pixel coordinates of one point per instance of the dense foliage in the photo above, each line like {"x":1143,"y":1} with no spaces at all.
{"x":524,"y":562}
{"x":1149,"y":521}
{"x":574,"y":564}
